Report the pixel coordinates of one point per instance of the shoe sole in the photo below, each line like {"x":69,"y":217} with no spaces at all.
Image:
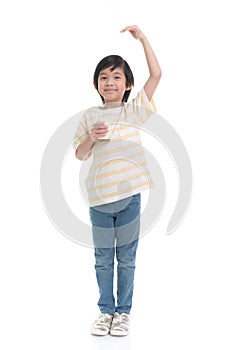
{"x":98,"y":332}
{"x":119,"y":333}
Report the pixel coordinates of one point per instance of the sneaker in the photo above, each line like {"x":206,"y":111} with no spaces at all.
{"x":120,"y":324}
{"x":102,"y":324}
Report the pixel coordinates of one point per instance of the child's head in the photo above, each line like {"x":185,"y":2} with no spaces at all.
{"x":113,"y":78}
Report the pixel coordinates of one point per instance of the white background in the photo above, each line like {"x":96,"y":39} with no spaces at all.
{"x":184,"y":282}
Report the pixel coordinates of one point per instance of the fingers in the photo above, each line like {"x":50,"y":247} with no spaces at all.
{"x":128,"y":28}
{"x":134,"y":30}
{"x":123,"y":30}
{"x":100,"y":127}
{"x":99,"y":130}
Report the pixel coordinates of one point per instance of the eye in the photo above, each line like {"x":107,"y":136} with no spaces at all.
{"x":117,"y":77}
{"x":102,"y":78}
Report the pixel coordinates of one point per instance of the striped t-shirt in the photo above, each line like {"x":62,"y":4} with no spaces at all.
{"x":118,"y":168}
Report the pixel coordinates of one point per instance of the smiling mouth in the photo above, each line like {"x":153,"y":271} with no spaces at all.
{"x":110,"y":90}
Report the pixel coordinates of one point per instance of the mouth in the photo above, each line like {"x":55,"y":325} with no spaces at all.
{"x":110,"y":90}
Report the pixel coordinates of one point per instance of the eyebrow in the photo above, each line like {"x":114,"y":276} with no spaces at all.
{"x":120,"y":73}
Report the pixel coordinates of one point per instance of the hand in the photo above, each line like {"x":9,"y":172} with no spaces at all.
{"x":98,"y":130}
{"x":135,"y":31}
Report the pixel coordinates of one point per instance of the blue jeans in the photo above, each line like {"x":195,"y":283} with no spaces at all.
{"x":115,"y":229}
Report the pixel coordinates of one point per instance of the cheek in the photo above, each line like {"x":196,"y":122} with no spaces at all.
{"x":100,"y":85}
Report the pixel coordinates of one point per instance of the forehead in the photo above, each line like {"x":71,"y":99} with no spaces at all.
{"x":108,"y":70}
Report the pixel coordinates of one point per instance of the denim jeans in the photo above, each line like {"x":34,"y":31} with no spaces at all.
{"x":115,"y":228}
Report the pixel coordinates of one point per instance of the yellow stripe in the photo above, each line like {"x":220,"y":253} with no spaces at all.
{"x":114,"y":172}
{"x":123,"y":127}
{"x":134,"y":144}
{"x":119,"y":160}
{"x":116,"y":194}
{"x":153,"y":105}
{"x":78,"y":139}
{"x":110,"y":184}
{"x":128,"y":136}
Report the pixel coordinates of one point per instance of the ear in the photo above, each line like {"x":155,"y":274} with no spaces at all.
{"x":128,"y":88}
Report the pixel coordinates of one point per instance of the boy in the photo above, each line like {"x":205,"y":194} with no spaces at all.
{"x":117,"y":176}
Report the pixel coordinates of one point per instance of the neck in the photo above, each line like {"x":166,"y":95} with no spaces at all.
{"x":112,"y":104}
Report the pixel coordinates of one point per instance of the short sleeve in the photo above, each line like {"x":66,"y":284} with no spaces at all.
{"x":142,"y":100}
{"x":140,"y":108}
{"x":81,"y":132}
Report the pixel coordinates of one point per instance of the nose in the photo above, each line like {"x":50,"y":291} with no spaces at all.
{"x":109,"y":82}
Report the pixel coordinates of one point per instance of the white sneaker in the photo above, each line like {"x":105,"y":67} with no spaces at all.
{"x":102,"y":324}
{"x":120,"y":324}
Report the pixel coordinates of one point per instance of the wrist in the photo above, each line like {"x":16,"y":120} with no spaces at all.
{"x":143,"y":39}
{"x":92,"y":140}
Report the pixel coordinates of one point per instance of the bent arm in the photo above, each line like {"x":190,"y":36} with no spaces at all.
{"x":155,"y":72}
{"x":84,"y":150}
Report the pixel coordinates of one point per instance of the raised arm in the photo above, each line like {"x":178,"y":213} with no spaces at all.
{"x":152,"y":62}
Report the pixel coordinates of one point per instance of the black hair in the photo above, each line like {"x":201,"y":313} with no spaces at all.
{"x":114,"y":61}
